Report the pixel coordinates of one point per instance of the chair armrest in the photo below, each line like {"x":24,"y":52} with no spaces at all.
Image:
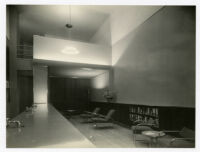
{"x":96,"y":115}
{"x":137,"y":122}
{"x":145,"y":124}
{"x":101,"y":116}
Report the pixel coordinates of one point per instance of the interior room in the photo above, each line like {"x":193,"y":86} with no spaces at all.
{"x":100,"y":76}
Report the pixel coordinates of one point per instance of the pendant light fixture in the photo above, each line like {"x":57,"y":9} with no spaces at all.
{"x":69,"y":24}
{"x":70,"y":50}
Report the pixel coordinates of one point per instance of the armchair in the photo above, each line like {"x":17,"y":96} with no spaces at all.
{"x":139,"y":126}
{"x":88,"y":114}
{"x":184,"y":138}
{"x":104,"y":121}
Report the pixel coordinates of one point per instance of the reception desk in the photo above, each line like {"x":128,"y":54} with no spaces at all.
{"x":45,"y":127}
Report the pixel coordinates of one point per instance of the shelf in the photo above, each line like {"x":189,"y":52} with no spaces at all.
{"x":143,"y":114}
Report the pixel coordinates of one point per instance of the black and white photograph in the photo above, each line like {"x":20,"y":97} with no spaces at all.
{"x":90,"y":76}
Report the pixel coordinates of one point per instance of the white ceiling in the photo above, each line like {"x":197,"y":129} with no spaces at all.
{"x":86,"y":20}
{"x":66,"y":69}
{"x":51,"y":20}
{"x":74,"y":72}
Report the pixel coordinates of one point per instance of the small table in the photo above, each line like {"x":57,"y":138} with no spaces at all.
{"x":154,"y":135}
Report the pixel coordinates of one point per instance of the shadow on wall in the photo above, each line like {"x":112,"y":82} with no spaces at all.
{"x":158,"y":62}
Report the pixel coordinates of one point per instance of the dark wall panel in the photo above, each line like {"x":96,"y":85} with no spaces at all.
{"x":13,"y":105}
{"x":170,"y":118}
{"x":176,"y":117}
{"x":57,"y":89}
{"x":25,"y":88}
{"x":66,"y":93}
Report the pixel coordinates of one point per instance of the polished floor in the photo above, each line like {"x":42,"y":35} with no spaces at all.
{"x":116,"y":137}
{"x":119,"y":137}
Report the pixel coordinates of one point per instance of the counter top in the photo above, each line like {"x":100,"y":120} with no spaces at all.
{"x":45,"y":127}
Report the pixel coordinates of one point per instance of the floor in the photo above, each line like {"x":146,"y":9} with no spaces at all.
{"x":117,"y":136}
{"x":111,"y":137}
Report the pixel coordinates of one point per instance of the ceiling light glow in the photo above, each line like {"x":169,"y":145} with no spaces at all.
{"x":74,"y":77}
{"x":87,"y":69}
{"x":70,"y":50}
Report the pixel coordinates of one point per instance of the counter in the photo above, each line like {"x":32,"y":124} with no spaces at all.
{"x":45,"y":127}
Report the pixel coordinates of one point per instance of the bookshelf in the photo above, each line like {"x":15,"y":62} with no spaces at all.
{"x":144,"y":114}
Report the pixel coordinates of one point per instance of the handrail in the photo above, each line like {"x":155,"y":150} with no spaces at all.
{"x":24,"y":51}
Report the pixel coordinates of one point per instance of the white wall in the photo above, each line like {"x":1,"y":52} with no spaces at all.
{"x":157,"y":66}
{"x":7,"y":24}
{"x":129,"y":18}
{"x":120,"y":24}
{"x":99,"y":84}
{"x":46,"y":48}
{"x":103,"y":35}
{"x":40,"y":84}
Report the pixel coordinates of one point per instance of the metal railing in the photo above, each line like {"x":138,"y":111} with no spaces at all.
{"x":25,"y":52}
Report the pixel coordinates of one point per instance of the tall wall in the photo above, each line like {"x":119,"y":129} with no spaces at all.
{"x":157,"y":63}
{"x":99,"y":85}
{"x":123,"y":21}
{"x":40,"y":84}
{"x":103,"y":34}
{"x":102,"y":82}
{"x":7,"y":24}
{"x":114,"y":28}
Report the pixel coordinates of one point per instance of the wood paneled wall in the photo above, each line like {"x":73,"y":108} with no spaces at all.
{"x":68,"y":93}
{"x":170,"y":118}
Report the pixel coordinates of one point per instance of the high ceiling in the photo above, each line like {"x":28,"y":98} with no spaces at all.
{"x":51,"y":20}
{"x":86,"y":20}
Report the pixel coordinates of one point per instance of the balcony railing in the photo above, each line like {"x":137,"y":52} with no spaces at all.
{"x":25,"y":52}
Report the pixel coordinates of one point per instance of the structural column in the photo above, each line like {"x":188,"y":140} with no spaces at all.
{"x":40,"y":84}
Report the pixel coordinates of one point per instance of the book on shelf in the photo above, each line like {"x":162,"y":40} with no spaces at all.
{"x":147,"y":111}
{"x":145,"y":119}
{"x":157,"y":112}
{"x":156,"y":121}
{"x":154,"y":111}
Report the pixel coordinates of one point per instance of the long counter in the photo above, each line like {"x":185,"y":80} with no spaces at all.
{"x":45,"y":127}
